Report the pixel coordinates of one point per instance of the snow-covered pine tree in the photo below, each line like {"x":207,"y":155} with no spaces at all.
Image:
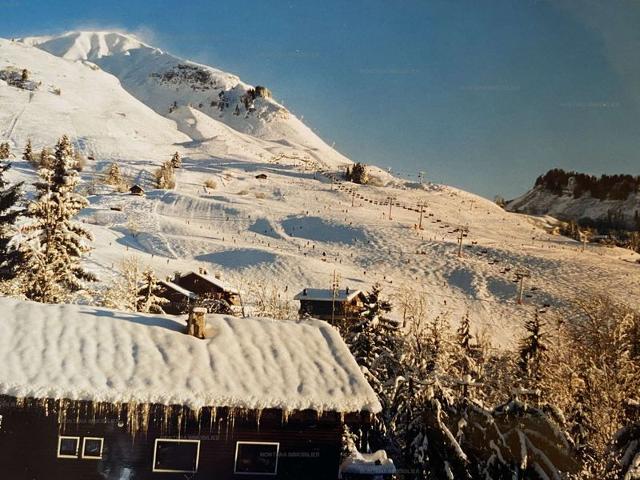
{"x":176,"y":160}
{"x":527,"y":442}
{"x":165,"y":176}
{"x":466,"y":363}
{"x":430,"y":400}
{"x":148,"y":300}
{"x":375,"y":343}
{"x":46,"y":158}
{"x":54,"y":243}
{"x":28,"y":152}
{"x":533,"y":352}
{"x":114,"y":176}
{"x":10,"y":195}
{"x":5,"y":151}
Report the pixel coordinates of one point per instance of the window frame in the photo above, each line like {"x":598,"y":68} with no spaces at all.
{"x":235,"y":461}
{"x":68,"y":437}
{"x":174,"y":440}
{"x":89,"y":457}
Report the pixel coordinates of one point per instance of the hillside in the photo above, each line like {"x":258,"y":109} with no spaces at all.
{"x":607,"y":202}
{"x":175,"y":88}
{"x":300,"y":225}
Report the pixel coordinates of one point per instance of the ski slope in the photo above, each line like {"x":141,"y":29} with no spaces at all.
{"x":302,"y":224}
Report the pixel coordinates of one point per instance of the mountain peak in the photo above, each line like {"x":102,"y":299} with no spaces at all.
{"x":87,"y":45}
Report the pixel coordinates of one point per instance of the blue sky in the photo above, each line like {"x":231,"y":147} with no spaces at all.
{"x":485,"y":95}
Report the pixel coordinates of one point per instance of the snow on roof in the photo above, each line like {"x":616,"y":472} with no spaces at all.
{"x":215,"y":281}
{"x":88,"y":353}
{"x":368,"y":464}
{"x":178,"y":289}
{"x":327,"y":295}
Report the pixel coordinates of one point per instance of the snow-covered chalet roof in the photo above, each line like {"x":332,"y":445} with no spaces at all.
{"x":177,"y":288}
{"x":214,"y":281}
{"x":88,"y":353}
{"x":327,"y":295}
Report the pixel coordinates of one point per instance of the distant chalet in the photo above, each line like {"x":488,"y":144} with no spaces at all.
{"x":207,"y":286}
{"x":92,"y":393}
{"x":329,"y":304}
{"x":137,"y":190}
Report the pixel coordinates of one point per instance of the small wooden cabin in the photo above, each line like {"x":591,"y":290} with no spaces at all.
{"x":328,"y":304}
{"x":136,"y":190}
{"x":180,"y":300}
{"x":95,"y":394}
{"x":207,"y":286}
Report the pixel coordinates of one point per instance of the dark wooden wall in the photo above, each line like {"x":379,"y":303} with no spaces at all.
{"x":309,"y":446}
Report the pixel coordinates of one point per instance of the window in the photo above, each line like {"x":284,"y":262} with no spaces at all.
{"x":92,"y":448}
{"x":68,"y":447}
{"x":257,"y":458}
{"x":171,"y":455}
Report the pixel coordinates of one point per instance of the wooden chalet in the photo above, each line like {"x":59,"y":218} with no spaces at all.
{"x":88,"y":393}
{"x":136,"y":190}
{"x":180,"y":300}
{"x":208,"y":287}
{"x":329,"y":304}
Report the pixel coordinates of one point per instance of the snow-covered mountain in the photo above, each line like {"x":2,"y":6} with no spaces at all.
{"x":193,"y":94}
{"x":122,"y":101}
{"x":608,"y":201}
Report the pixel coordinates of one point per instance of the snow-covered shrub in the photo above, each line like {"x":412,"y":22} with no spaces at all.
{"x":211,"y":184}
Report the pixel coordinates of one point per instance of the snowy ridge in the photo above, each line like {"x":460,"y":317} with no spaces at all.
{"x":165,"y":82}
{"x":84,"y":353}
{"x":539,"y":201}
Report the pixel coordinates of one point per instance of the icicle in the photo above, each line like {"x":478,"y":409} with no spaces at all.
{"x":258,"y":417}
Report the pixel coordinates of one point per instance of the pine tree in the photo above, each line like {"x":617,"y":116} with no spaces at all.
{"x":114,"y":176}
{"x":165,"y":176}
{"x":376,"y":345}
{"x":466,"y":363}
{"x":5,"y":151}
{"x":28,"y":152}
{"x":176,"y":160}
{"x":359,"y":174}
{"x":10,"y":195}
{"x":46,"y":159}
{"x":148,"y":300}
{"x":533,"y":352}
{"x":55,"y":244}
{"x":527,"y":442}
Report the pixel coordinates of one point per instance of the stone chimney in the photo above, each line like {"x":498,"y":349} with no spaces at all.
{"x":197,"y":322}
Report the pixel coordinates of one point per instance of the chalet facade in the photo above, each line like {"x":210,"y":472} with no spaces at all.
{"x":330,"y":305}
{"x":131,"y":396}
{"x":209,"y":287}
{"x":180,"y":300}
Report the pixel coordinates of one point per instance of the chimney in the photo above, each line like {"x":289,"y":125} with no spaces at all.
{"x":346,"y":290}
{"x":304,"y":292}
{"x":218,"y":275}
{"x":197,"y":322}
